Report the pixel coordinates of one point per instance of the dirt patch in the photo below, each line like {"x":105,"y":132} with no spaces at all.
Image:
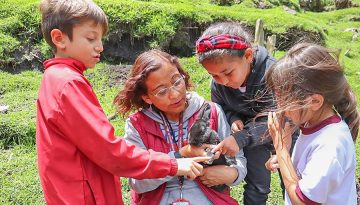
{"x":356,"y":18}
{"x":116,"y":75}
{"x":294,"y":35}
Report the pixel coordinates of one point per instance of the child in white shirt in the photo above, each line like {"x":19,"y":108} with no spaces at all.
{"x":313,"y":93}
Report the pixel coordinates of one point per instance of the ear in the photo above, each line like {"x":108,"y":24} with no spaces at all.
{"x":317,"y":101}
{"x":58,"y":38}
{"x":249,"y":55}
{"x":146,"y":99}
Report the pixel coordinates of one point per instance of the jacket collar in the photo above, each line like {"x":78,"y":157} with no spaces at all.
{"x":72,"y":63}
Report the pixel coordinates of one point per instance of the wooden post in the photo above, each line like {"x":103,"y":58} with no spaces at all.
{"x":259,"y":33}
{"x":270,"y":44}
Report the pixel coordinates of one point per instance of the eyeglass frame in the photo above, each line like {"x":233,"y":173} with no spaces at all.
{"x":181,"y":79}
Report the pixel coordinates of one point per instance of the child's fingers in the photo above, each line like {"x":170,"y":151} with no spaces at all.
{"x":218,"y":147}
{"x":287,"y":129}
{"x":270,"y":120}
{"x":217,"y":155}
{"x":276,"y":121}
{"x":270,"y":125}
{"x":237,"y":125}
{"x":234,"y":128}
{"x":191,"y":176}
{"x":197,"y":169}
{"x":200,"y":159}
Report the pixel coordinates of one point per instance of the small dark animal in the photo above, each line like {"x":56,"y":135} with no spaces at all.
{"x":200,"y":133}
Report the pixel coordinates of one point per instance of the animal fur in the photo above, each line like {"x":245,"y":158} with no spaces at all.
{"x":200,"y":133}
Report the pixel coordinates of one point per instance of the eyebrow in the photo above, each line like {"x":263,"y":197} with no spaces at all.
{"x":222,"y":72}
{"x":92,"y":32}
{"x":172,"y":78}
{"x":225,"y":70}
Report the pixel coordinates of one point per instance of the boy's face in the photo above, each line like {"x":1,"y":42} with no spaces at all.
{"x":86,"y":44}
{"x":230,"y":71}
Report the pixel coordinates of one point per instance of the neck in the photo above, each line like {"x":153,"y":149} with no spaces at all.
{"x":320,"y":116}
{"x":175,"y":117}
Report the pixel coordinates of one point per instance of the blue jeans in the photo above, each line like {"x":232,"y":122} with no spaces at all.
{"x":257,"y":180}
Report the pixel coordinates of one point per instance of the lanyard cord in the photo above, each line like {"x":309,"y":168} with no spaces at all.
{"x":170,"y":134}
{"x":171,"y":138}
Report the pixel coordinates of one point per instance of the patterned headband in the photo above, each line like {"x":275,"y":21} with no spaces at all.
{"x":223,"y":41}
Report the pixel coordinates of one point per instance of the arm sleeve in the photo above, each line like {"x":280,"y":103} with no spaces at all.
{"x":224,"y":131}
{"x":253,"y":134}
{"x":82,"y":120}
{"x":132,"y":136}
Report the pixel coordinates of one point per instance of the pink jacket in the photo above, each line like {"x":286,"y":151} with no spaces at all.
{"x":79,"y":158}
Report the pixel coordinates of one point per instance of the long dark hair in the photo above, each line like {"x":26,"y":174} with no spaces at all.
{"x":312,"y":69}
{"x":130,"y":97}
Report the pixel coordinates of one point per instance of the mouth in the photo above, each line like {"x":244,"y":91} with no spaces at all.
{"x":177,"y":103}
{"x":97,"y":57}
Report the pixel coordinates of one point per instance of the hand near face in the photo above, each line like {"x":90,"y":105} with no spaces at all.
{"x":237,"y":125}
{"x":281,"y":136}
{"x":219,"y":174}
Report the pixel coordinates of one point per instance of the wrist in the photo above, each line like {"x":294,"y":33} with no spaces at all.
{"x":241,"y":139}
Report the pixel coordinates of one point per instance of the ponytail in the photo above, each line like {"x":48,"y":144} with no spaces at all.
{"x":346,"y":107}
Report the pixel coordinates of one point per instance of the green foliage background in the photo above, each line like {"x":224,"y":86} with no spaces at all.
{"x":158,"y":19}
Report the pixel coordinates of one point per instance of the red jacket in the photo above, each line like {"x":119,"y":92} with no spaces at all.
{"x":152,"y":137}
{"x":79,"y":157}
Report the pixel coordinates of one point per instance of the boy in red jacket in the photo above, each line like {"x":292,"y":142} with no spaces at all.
{"x":79,"y":158}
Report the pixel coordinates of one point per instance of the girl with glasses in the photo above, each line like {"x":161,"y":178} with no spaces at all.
{"x":157,"y":90}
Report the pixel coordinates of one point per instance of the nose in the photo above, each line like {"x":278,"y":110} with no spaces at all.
{"x":99,"y":48}
{"x":222,"y":80}
{"x":173,"y":93}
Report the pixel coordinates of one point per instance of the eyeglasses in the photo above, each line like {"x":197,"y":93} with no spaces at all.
{"x":178,"y":85}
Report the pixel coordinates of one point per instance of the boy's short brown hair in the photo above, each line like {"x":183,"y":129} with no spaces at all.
{"x":65,"y":14}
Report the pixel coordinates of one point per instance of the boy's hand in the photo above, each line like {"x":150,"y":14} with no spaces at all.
{"x":218,"y":174}
{"x":190,"y":167}
{"x":272,"y":164}
{"x":281,"y":136}
{"x":194,"y":151}
{"x":237,"y":125}
{"x":228,"y":147}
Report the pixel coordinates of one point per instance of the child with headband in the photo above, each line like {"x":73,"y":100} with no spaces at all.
{"x":238,"y":86}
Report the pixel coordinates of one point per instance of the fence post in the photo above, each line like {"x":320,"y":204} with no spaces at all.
{"x":259,"y":33}
{"x":270,"y":44}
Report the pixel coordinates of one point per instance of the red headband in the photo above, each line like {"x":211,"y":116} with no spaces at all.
{"x":223,"y":41}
